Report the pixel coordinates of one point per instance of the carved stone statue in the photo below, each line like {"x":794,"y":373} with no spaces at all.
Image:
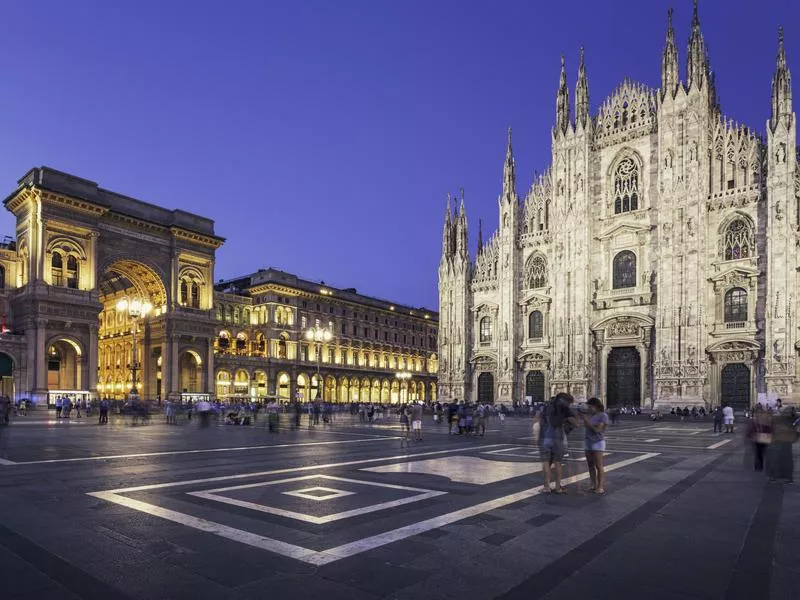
{"x":579,"y":357}
{"x":505,"y":331}
{"x":505,"y":364}
{"x":690,"y":227}
{"x":692,"y":351}
{"x":665,"y":356}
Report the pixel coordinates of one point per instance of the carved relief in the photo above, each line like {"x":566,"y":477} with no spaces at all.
{"x":623,"y":327}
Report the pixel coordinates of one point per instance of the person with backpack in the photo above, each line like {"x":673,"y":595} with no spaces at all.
{"x":557,"y":421}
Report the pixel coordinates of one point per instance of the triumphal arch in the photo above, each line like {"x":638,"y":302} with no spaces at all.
{"x":79,"y":250}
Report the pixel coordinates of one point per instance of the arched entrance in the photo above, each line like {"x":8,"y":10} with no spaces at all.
{"x":283,"y":387}
{"x":736,"y":385}
{"x":624,"y":386}
{"x":6,"y":375}
{"x":486,"y":388}
{"x":190,"y":372}
{"x":534,"y":386}
{"x":63,"y":366}
{"x":223,"y":384}
{"x":133,"y":280}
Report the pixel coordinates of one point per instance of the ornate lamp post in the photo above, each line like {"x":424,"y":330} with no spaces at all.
{"x":403,"y":376}
{"x":318,"y":335}
{"x":136,"y":309}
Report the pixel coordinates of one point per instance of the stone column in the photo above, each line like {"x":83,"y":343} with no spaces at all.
{"x":643,"y":383}
{"x":174,"y":387}
{"x":90,"y":382}
{"x":209,"y":369}
{"x":40,"y":369}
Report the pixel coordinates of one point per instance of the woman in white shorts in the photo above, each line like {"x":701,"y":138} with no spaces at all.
{"x":595,"y":423}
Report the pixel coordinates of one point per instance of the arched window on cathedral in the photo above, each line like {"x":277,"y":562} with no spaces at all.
{"x":624,"y":270}
{"x":736,"y":305}
{"x":72,"y":272}
{"x":184,"y":299}
{"x":626,"y":186}
{"x":739,"y":240}
{"x":486,"y":329}
{"x":535,"y":325}
{"x":57,"y":269}
{"x":536,"y":272}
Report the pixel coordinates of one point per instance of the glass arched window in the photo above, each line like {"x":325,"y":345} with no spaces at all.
{"x":220,"y":312}
{"x":624,"y":270}
{"x":486,"y":329}
{"x":535,"y":325}
{"x":195,"y":295}
{"x":626,"y":186}
{"x":224,"y":341}
{"x":237,"y":315}
{"x":184,"y":293}
{"x":72,"y":272}
{"x":736,"y":305}
{"x":739,"y":240}
{"x":57,"y":269}
{"x":536,"y":272}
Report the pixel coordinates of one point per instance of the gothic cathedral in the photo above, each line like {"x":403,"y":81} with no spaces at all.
{"x":654,"y":263}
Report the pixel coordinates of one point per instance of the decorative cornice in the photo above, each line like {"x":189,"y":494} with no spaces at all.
{"x":209,"y":241}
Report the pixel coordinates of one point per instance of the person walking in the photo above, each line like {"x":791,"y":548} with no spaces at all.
{"x":780,"y":459}
{"x":556,"y":417}
{"x":59,"y":406}
{"x":103,"y":419}
{"x":404,"y":428}
{"x":718,"y":419}
{"x":759,"y":433}
{"x":727,"y":417}
{"x":416,"y":421}
{"x":595,"y":423}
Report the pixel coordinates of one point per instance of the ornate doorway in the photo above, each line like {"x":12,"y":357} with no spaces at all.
{"x":624,"y":377}
{"x":486,"y":387}
{"x":736,"y":385}
{"x":534,"y":386}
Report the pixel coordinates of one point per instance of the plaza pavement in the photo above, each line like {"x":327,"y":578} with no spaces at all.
{"x":343,"y":511}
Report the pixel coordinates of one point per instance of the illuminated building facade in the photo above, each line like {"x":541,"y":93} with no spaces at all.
{"x":79,"y":249}
{"x":263,"y":350}
{"x":654,"y":263}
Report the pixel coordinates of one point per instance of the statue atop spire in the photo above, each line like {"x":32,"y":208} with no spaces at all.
{"x":697,"y":56}
{"x":509,"y":177}
{"x":669,"y":62}
{"x":462,"y":251}
{"x":582,"y":96}
{"x":562,"y":101}
{"x":781,"y":89}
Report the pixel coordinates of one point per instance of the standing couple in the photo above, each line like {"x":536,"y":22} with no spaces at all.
{"x":555,"y":421}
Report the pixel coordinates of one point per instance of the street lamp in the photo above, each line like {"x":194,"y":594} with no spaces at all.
{"x":318,"y":335}
{"x":136,"y":309}
{"x":403,"y":376}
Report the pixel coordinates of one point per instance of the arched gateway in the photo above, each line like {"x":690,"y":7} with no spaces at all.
{"x":83,"y":250}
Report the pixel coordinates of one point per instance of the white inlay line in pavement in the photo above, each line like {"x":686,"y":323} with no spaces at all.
{"x":718,"y":444}
{"x":3,"y":461}
{"x":324,"y":557}
{"x":215,"y":494}
{"x":200,"y":451}
{"x":362,"y":461}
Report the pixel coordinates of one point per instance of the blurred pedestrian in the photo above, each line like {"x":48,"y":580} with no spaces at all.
{"x":780,"y":460}
{"x":759,"y":434}
{"x":727,"y":417}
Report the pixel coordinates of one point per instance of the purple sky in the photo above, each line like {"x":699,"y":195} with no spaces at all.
{"x":323,"y":136}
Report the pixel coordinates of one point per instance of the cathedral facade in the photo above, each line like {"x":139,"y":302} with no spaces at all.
{"x":654,"y":263}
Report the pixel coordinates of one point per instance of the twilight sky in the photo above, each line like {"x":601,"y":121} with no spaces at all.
{"x":323,"y":136}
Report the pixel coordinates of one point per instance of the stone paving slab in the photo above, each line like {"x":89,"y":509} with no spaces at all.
{"x":690,"y":510}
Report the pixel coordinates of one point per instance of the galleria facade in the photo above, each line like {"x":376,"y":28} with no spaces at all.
{"x":79,"y":249}
{"x":654,"y":263}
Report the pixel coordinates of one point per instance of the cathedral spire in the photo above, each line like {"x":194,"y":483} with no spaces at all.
{"x":447,"y":233}
{"x":581,"y":97}
{"x":461,"y":230}
{"x":562,"y":101}
{"x":697,"y":56}
{"x":480,"y":236}
{"x":509,"y":177}
{"x":781,"y":89}
{"x":669,"y":62}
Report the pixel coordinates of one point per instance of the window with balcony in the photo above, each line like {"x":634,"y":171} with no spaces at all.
{"x":535,"y":325}
{"x":735,"y":306}
{"x":624,"y":270}
{"x":486,"y":330}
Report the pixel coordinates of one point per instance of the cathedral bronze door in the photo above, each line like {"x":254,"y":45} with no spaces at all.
{"x":624,"y":384}
{"x":736,"y":385}
{"x":534,"y":386}
{"x":486,"y":387}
